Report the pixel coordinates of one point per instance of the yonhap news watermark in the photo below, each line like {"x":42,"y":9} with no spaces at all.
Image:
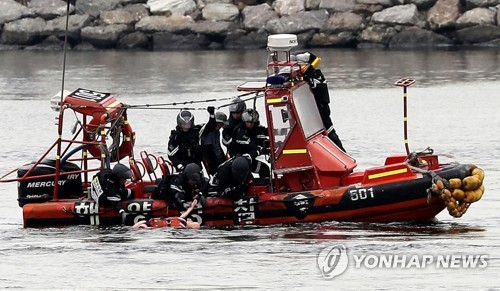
{"x":334,"y":260}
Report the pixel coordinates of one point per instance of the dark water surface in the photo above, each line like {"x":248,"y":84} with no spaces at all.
{"x":453,"y":108}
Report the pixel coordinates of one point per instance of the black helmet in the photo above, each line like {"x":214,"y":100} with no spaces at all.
{"x":122,"y":172}
{"x":240,"y":169}
{"x":193,"y":173}
{"x":250,"y":115}
{"x":237,"y":105}
{"x":185,"y":120}
{"x":220,"y":117}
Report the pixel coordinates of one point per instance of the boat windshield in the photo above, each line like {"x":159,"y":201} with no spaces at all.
{"x":283,"y":122}
{"x":307,"y":111}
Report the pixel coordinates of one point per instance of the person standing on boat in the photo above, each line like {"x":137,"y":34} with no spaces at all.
{"x":232,"y":178}
{"x":250,"y":139}
{"x":235,"y":112}
{"x":181,"y":188}
{"x":108,"y":187}
{"x":184,"y":145}
{"x":319,"y":88}
{"x":213,"y":154}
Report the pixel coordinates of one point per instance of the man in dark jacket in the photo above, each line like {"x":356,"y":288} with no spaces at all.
{"x":232,"y":178}
{"x":251,"y":139}
{"x":181,"y":188}
{"x":108,"y":187}
{"x":319,"y":88}
{"x":184,"y":145}
{"x":213,"y":154}
{"x":235,"y":112}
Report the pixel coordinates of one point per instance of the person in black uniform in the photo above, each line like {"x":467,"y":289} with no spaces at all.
{"x":108,"y":187}
{"x":319,"y":88}
{"x":251,"y":139}
{"x":213,"y":154}
{"x":184,"y":143}
{"x":235,"y":112}
{"x":232,"y":178}
{"x":184,"y":187}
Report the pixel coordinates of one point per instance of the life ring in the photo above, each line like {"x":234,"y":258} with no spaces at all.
{"x":126,"y":146}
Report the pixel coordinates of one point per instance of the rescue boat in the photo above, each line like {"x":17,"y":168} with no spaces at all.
{"x":312,"y":180}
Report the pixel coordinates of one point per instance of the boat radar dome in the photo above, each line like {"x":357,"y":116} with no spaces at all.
{"x":281,"y":42}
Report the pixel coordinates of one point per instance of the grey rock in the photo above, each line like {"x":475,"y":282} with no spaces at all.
{"x":222,"y":12}
{"x":378,"y":34}
{"x":498,"y":15}
{"x":104,"y":36}
{"x":57,"y":27}
{"x":217,"y":29}
{"x":26,"y":31}
{"x":51,"y":43}
{"x":338,"y":5}
{"x":239,"y":39}
{"x":341,"y":39}
{"x":128,"y":15}
{"x":312,"y":4}
{"x":343,"y":21}
{"x":170,"y":41}
{"x":10,"y":10}
{"x":50,"y":9}
{"x":134,"y":40}
{"x":288,"y":7}
{"x":444,"y":14}
{"x":256,"y":17}
{"x":10,"y":47}
{"x":481,"y":16}
{"x":385,"y":3}
{"x":418,"y":38}
{"x":171,"y":7}
{"x":156,"y":23}
{"x":299,"y":22}
{"x":469,"y":4}
{"x":398,"y":15}
{"x":94,"y":7}
{"x":477,"y":34}
{"x":84,"y":46}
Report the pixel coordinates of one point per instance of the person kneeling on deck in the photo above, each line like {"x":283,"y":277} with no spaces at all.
{"x":319,"y":88}
{"x":181,"y":188}
{"x":232,"y":178}
{"x":174,"y":222}
{"x":250,"y":139}
{"x":108,"y":187}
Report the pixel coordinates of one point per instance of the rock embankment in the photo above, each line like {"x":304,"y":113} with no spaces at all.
{"x":245,"y":24}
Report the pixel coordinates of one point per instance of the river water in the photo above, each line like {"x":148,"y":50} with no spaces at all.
{"x":453,"y":108}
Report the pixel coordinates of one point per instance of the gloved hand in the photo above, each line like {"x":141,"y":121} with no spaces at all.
{"x":211,"y":110}
{"x":180,"y":167}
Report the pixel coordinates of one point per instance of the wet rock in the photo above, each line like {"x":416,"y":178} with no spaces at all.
{"x":171,"y":41}
{"x":288,"y":7}
{"x":51,"y":43}
{"x":478,"y":34}
{"x":57,"y":27}
{"x":104,"y":36}
{"x":171,"y":7}
{"x":444,"y":14}
{"x":418,"y":38}
{"x":26,"y":31}
{"x":299,"y":22}
{"x":343,"y":21}
{"x":381,"y":34}
{"x":156,"y":23}
{"x":49,"y":9}
{"x":477,"y":16}
{"x":220,"y":12}
{"x":84,"y":46}
{"x":240,"y":39}
{"x":256,"y":17}
{"x":340,"y":39}
{"x":134,"y":40}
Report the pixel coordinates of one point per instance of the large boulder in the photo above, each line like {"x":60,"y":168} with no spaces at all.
{"x":94,"y":7}
{"x":218,"y":29}
{"x":338,"y":5}
{"x":57,"y":27}
{"x":171,"y":7}
{"x":26,"y":31}
{"x":340,"y":39}
{"x":104,"y":36}
{"x":288,"y":7}
{"x":418,"y":38}
{"x":477,"y":16}
{"x":157,"y":23}
{"x":469,"y":4}
{"x":398,"y":15}
{"x":10,"y":10}
{"x":444,"y":14}
{"x":343,"y":21}
{"x":478,"y":34}
{"x":49,"y":9}
{"x":379,"y":34}
{"x":299,"y":22}
{"x":127,"y":15}
{"x":256,"y":17}
{"x":421,"y":4}
{"x":220,"y":12}
{"x":134,"y":40}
